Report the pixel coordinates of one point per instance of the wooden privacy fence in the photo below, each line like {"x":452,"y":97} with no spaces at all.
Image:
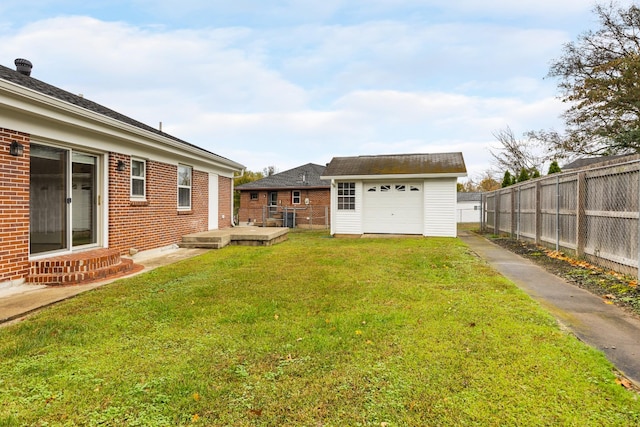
{"x":592,"y":213}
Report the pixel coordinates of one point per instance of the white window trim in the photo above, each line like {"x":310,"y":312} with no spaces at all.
{"x":190,"y":187}
{"x":346,"y":201}
{"x":293,"y":197}
{"x":142,"y":196}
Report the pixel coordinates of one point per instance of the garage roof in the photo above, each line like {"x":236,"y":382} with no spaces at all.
{"x":397,"y":166}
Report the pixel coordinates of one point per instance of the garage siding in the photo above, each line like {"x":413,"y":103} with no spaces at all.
{"x":346,"y":221}
{"x":440,"y":207}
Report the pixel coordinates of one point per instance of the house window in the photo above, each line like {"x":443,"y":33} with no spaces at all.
{"x":347,"y":196}
{"x":253,"y":195}
{"x":138,"y":178}
{"x":184,"y":187}
{"x":295,"y":197}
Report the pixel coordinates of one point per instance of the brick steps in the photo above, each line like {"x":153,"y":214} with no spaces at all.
{"x":79,"y":267}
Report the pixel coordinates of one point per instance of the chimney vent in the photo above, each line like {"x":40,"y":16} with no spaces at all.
{"x":23,"y":66}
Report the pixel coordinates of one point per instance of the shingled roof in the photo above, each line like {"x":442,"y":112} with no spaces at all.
{"x":305,"y":176}
{"x":29,"y":82}
{"x":448,"y":164}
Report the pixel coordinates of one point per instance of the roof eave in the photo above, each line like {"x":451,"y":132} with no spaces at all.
{"x":307,"y":187}
{"x":46,"y":101}
{"x":395,"y":176}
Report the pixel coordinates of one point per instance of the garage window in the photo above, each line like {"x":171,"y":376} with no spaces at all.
{"x":346,"y":196}
{"x":414,"y":188}
{"x":400,"y":187}
{"x":385,"y":188}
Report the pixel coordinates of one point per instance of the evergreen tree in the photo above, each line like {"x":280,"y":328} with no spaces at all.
{"x":535,"y":173}
{"x":523,"y":176}
{"x":554,"y":168}
{"x":507,"y":180}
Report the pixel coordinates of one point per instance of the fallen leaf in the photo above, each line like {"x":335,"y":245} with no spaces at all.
{"x":624,"y":383}
{"x":610,"y":296}
{"x":275,"y":316}
{"x":196,"y":396}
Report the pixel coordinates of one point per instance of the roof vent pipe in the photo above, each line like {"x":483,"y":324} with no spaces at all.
{"x":23,"y":66}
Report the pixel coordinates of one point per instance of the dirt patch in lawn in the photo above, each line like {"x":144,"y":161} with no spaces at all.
{"x":614,"y":288}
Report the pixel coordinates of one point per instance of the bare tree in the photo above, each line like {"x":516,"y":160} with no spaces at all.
{"x":599,"y":79}
{"x":515,"y":154}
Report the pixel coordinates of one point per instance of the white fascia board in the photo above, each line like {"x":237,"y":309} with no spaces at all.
{"x":37,"y":104}
{"x":393,"y":176}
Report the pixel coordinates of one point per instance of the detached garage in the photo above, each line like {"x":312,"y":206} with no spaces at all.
{"x":395,"y":194}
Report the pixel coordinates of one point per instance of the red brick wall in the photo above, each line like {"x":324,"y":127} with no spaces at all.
{"x":14,"y":207}
{"x":224,"y":202}
{"x":318,"y":199}
{"x":156,"y":222}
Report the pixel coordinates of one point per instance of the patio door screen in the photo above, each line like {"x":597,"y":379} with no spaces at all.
{"x":63,"y":199}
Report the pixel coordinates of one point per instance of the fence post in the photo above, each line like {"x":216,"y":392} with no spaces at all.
{"x":326,"y":217}
{"x":513,"y":212}
{"x":538,"y":213}
{"x":482,"y":202}
{"x":519,"y":213}
{"x":581,"y":223}
{"x":557,"y":213}
{"x":496,"y":209}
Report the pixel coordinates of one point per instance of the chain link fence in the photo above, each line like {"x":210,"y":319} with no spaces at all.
{"x":309,"y":217}
{"x":591,"y":213}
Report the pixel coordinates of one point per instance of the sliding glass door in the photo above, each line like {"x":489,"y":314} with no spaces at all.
{"x":63,"y":199}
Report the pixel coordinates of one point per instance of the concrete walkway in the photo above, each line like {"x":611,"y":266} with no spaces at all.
{"x":605,"y":327}
{"x":16,"y":302}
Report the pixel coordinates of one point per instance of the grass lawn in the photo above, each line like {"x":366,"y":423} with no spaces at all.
{"x":311,"y":332}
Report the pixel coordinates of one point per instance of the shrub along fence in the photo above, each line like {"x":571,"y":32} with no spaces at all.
{"x":590,"y":212}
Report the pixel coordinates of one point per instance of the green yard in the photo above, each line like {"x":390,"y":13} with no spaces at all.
{"x":312,"y":332}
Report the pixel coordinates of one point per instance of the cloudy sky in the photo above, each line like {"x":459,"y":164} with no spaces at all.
{"x":285,"y":83}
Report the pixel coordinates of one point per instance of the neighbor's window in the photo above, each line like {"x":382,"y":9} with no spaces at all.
{"x":184,"y":187}
{"x":138,"y":178}
{"x":347,"y":196}
{"x":295,"y":197}
{"x":253,"y":195}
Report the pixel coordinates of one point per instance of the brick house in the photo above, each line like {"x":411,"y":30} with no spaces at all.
{"x":297,"y":197}
{"x":81,"y":182}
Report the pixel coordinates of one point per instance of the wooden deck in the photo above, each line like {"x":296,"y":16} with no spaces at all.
{"x":242,"y":236}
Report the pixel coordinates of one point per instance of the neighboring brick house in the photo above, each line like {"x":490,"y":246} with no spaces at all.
{"x":294,"y":197}
{"x":80,"y":181}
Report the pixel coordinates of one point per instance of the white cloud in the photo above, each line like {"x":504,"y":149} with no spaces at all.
{"x":306,"y":92}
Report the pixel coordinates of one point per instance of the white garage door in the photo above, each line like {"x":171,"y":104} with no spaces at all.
{"x":395,"y":208}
